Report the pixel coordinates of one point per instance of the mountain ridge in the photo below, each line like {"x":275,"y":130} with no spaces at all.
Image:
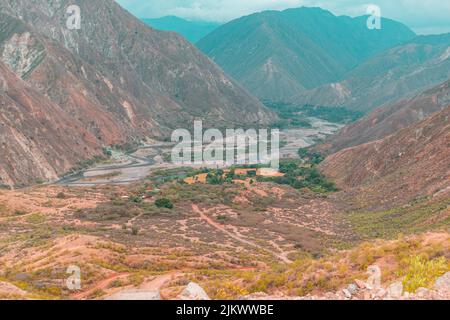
{"x":191,"y":30}
{"x":398,"y":72}
{"x":389,"y":119}
{"x":279,"y":54}
{"x":408,"y":164}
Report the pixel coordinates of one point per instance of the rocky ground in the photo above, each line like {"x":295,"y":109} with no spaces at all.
{"x":371,"y":290}
{"x":359,"y":290}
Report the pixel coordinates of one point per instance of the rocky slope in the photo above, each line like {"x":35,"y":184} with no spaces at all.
{"x":389,"y":119}
{"x":413,"y":162}
{"x":38,"y":139}
{"x":404,"y":70}
{"x":278,"y":55}
{"x":117,"y":78}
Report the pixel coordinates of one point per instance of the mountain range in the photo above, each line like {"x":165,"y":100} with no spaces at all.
{"x":280,"y":55}
{"x":66,"y":94}
{"x":191,"y":30}
{"x":398,"y":72}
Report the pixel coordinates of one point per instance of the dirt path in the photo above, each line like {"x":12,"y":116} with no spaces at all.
{"x":159,"y":281}
{"x":100,"y":285}
{"x":153,"y":285}
{"x":236,"y":237}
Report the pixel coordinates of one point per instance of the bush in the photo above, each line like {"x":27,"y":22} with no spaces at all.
{"x":164,"y":203}
{"x":134,"y":231}
{"x":61,"y":195}
{"x":422,"y":273}
{"x":136,"y":199}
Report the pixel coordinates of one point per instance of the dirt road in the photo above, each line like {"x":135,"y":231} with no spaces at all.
{"x":281,"y":256}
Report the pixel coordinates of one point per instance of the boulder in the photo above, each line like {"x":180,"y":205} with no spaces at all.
{"x":347,"y":293}
{"x":442,"y":284}
{"x":422,"y":293}
{"x":353,"y":288}
{"x":193,"y":292}
{"x":361,"y":284}
{"x":395,"y":290}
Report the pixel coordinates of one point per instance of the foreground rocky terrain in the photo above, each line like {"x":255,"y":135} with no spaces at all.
{"x":232,"y":240}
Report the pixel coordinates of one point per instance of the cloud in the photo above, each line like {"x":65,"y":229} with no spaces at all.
{"x":426,"y":16}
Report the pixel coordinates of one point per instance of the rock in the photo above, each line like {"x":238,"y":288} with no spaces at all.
{"x":442,"y":284}
{"x":347,"y":293}
{"x":361,"y":284}
{"x":380,"y":293}
{"x":422,"y":292}
{"x":395,"y":290}
{"x":374,"y":280}
{"x":142,"y":295}
{"x":193,"y":292}
{"x":255,"y":296}
{"x":352,"y":288}
{"x":22,"y":276}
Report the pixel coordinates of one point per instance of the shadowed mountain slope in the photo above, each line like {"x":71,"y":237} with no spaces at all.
{"x":389,"y":119}
{"x":413,"y":162}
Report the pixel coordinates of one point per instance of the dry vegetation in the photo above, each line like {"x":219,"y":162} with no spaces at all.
{"x":233,"y":239}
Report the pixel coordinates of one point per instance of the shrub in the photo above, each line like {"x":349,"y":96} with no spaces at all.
{"x":164,"y":203}
{"x":134,"y":231}
{"x":136,"y":199}
{"x":61,"y":195}
{"x":423,"y":273}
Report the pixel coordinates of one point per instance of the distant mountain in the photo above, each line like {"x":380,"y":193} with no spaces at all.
{"x":278,"y":55}
{"x":409,"y":164}
{"x":191,"y":30}
{"x":114,"y":81}
{"x":390,"y":118}
{"x":403,"y":70}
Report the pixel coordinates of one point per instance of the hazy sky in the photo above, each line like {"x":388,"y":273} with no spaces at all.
{"x":423,"y":16}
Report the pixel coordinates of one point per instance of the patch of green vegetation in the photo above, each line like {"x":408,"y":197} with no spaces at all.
{"x":60,"y":195}
{"x":309,"y":156}
{"x":419,"y":216}
{"x":35,"y":218}
{"x":297,"y":116}
{"x":164,"y":203}
{"x":299,"y":176}
{"x":40,"y":181}
{"x":159,"y":177}
{"x":84,"y":164}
